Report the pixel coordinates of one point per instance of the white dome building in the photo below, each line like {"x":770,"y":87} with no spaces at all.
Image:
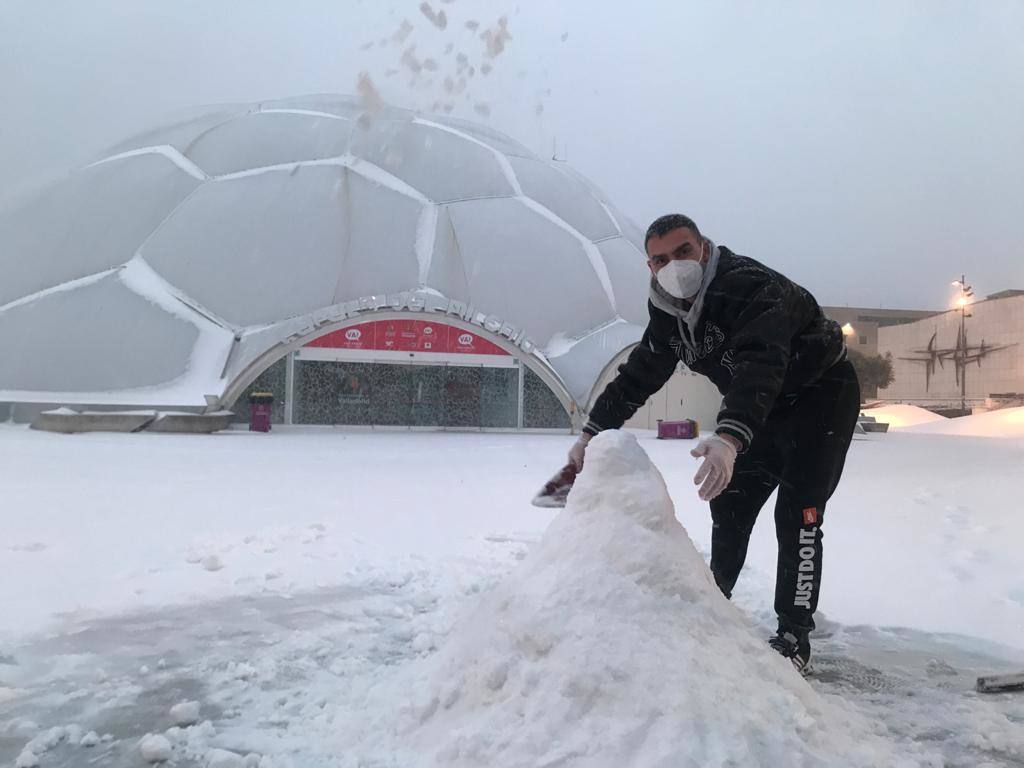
{"x":402,"y":270}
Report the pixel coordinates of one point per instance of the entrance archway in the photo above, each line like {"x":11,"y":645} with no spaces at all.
{"x":409,"y":370}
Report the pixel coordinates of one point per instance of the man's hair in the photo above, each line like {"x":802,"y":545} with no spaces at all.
{"x":662,"y":225}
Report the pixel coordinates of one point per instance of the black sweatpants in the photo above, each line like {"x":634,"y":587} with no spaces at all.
{"x":801,"y":451}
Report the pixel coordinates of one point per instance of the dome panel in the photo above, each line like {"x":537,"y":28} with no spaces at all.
{"x":93,"y":220}
{"x":489,"y":136}
{"x":381,"y":256}
{"x":92,"y":338}
{"x":343,"y":106}
{"x":333,"y":104}
{"x":630,"y":277}
{"x":179,"y":134}
{"x":524,"y":269}
{"x":276,"y":241}
{"x":259,"y":248}
{"x":447,"y":272}
{"x":629,"y":228}
{"x":260,"y":139}
{"x":594,"y":189}
{"x":565,"y":196}
{"x":441,"y":165}
{"x":580,"y":367}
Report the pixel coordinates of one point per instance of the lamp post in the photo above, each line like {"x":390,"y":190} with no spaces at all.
{"x":966,"y":292}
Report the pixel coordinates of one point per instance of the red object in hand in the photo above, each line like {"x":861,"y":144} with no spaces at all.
{"x":556,"y":490}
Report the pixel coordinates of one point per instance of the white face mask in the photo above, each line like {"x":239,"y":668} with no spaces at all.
{"x":681,"y":278}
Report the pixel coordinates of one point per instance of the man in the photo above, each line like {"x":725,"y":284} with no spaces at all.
{"x":789,"y":409}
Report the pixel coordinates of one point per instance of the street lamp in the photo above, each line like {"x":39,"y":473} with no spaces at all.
{"x":848,"y":330}
{"x":962,"y":302}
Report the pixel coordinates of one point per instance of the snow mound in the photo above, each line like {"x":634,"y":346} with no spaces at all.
{"x":185,"y":713}
{"x":155,"y":748}
{"x":1006,"y":422}
{"x":610,"y":645}
{"x":899,"y":415}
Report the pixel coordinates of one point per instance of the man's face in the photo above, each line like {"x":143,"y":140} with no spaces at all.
{"x":679,"y":244}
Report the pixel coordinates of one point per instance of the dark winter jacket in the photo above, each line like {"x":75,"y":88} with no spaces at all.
{"x":759,"y":337}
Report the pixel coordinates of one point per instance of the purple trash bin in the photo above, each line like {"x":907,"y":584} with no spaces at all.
{"x":261,"y":405}
{"x":687,"y":429}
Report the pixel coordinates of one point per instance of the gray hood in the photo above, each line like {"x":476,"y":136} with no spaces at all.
{"x":684,"y":315}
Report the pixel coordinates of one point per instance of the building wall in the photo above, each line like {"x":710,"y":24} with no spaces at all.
{"x":686,"y":395}
{"x":865,"y":322}
{"x":994,"y":321}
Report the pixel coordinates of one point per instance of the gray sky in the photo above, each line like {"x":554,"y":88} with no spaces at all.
{"x":872,"y":151}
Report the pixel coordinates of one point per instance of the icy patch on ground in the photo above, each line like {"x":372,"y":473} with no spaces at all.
{"x":280,"y":678}
{"x":611,"y":645}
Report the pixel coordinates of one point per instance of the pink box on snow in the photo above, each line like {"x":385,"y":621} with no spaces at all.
{"x":687,"y":429}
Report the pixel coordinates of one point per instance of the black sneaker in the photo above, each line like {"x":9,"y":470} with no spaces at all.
{"x":796,"y":649}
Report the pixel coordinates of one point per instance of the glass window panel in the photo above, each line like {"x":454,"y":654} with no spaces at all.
{"x":316,"y":387}
{"x":391,"y":395}
{"x":414,"y":395}
{"x":271,"y":380}
{"x":541,"y":409}
{"x":461,"y":396}
{"x":427,"y":383}
{"x":499,"y":397}
{"x":353,"y":396}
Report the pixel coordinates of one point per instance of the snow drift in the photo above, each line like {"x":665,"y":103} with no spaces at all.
{"x":900,"y":415}
{"x":1006,"y":422}
{"x":610,"y":645}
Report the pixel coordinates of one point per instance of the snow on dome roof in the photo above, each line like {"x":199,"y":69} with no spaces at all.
{"x":167,"y":268}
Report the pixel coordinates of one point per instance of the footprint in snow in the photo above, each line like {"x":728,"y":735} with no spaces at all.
{"x":31,"y":546}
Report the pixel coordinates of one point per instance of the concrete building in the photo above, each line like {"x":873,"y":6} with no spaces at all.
{"x":977,"y":356}
{"x":861,"y":324}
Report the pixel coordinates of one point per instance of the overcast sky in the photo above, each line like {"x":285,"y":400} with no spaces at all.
{"x":872,"y":151}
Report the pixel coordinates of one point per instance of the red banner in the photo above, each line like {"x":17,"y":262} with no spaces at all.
{"x":462,"y":342}
{"x":408,"y":336}
{"x":356,"y":337}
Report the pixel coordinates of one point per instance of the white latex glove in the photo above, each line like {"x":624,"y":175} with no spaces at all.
{"x":715,"y":472}
{"x":579,"y":448}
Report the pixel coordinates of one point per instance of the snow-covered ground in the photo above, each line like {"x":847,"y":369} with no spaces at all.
{"x":900,"y":415}
{"x":1006,"y":422}
{"x":311,"y":587}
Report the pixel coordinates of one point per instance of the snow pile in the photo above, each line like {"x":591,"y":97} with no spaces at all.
{"x":32,"y":755}
{"x":610,"y":645}
{"x":899,"y":415}
{"x":1006,"y":422}
{"x":185,"y":713}
{"x":155,"y":748}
